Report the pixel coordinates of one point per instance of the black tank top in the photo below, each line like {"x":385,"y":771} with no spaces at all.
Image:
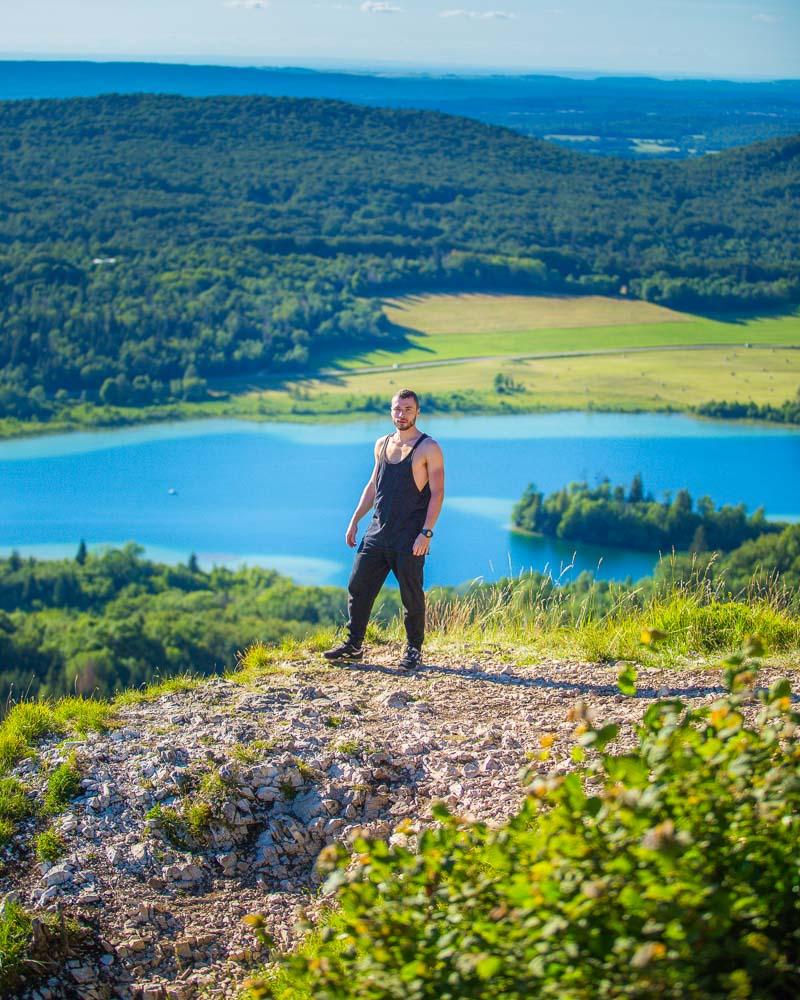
{"x":400,"y":506}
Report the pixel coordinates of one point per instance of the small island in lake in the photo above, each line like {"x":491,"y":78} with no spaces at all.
{"x":610,"y":515}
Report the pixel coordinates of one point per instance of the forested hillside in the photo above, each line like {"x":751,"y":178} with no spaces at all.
{"x":101,"y":622}
{"x":149,"y":242}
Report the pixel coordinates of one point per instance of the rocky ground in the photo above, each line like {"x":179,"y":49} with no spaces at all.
{"x":250,"y":781}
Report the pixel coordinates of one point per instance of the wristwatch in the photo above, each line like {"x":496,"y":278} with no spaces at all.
{"x":427,"y":532}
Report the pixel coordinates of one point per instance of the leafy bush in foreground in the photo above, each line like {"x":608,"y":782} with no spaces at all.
{"x":671,"y":871}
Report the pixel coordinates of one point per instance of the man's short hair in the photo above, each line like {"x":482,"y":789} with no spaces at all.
{"x":407,"y":394}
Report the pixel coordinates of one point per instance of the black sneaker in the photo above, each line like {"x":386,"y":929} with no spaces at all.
{"x":412,"y":658}
{"x":347,"y":651}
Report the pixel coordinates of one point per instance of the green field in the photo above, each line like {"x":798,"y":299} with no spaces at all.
{"x":561,"y":352}
{"x":445,"y":327}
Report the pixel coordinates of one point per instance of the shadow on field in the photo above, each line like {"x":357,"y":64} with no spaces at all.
{"x":739,"y":317}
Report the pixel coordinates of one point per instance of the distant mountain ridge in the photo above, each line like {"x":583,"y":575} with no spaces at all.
{"x":623,"y":116}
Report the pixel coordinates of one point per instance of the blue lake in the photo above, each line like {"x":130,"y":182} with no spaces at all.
{"x":281,"y":495}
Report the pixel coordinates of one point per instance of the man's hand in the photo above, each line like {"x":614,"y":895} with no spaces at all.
{"x":350,"y":536}
{"x":422,"y":545}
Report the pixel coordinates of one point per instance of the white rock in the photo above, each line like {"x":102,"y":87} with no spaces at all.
{"x":394,"y":699}
{"x":58,"y":875}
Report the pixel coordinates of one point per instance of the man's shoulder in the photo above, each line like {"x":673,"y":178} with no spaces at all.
{"x":430,"y":444}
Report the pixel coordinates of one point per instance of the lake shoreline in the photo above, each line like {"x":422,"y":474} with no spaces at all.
{"x":118,"y":418}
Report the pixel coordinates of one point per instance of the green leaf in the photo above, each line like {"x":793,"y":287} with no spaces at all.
{"x":629,"y":770}
{"x":626,"y":681}
{"x":780,"y":689}
{"x":440,"y":812}
{"x":488,"y":967}
{"x":598,"y":738}
{"x":753,"y":646}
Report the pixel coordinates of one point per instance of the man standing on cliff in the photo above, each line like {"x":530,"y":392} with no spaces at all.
{"x":407,"y":489}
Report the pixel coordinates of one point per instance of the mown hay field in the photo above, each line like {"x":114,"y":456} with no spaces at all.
{"x":644,"y":381}
{"x":443,"y":327}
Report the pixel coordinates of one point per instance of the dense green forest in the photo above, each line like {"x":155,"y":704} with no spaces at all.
{"x":149,"y":242}
{"x":103,"y":622}
{"x":608,"y":515}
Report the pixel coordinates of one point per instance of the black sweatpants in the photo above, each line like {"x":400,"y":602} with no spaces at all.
{"x":370,"y":568}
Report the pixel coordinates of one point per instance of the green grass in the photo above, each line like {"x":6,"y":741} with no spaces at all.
{"x":15,"y":805}
{"x":63,"y":784}
{"x":172,"y":685}
{"x":23,"y":727}
{"x":254,"y":752}
{"x":20,"y":955}
{"x":49,"y":845}
{"x":30,"y":721}
{"x":170,"y":824}
{"x":16,"y":935}
{"x":524,"y":626}
{"x":444,"y":347}
{"x":260,"y":660}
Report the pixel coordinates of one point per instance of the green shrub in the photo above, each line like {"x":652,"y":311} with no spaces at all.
{"x":667,"y":871}
{"x":198,"y":817}
{"x":50,"y":845}
{"x":63,"y":784}
{"x":170,"y":823}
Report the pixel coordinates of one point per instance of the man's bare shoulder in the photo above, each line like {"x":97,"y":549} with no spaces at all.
{"x":430,"y":446}
{"x":379,"y":442}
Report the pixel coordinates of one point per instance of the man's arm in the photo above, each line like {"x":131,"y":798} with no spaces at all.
{"x":434,"y":460}
{"x":366,"y":501}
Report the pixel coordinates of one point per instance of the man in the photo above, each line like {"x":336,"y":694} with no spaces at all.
{"x":407,"y":489}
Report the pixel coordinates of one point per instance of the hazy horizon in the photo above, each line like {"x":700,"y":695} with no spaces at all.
{"x":381,"y":67}
{"x":694,"y":39}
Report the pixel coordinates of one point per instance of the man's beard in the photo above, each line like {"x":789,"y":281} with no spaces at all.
{"x":411,"y":422}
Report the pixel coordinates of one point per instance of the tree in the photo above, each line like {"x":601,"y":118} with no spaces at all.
{"x":699,"y":540}
{"x":193,"y":564}
{"x":636,"y":494}
{"x":80,"y":555}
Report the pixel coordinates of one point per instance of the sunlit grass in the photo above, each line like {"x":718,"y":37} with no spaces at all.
{"x":63,"y":784}
{"x":16,"y":934}
{"x":49,"y":845}
{"x":261,"y":659}
{"x":523,"y":625}
{"x":15,"y":805}
{"x":30,"y":721}
{"x":159,"y":689}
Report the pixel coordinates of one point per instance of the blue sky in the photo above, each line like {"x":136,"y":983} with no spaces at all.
{"x":723,"y":38}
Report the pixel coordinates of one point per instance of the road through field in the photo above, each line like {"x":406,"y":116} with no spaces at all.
{"x":324,"y":373}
